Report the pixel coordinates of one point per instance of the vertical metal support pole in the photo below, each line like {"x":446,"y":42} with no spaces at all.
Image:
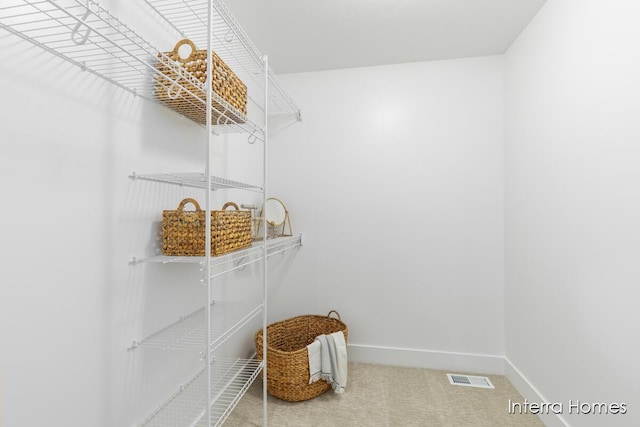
{"x":264,"y":241}
{"x":207,"y":244}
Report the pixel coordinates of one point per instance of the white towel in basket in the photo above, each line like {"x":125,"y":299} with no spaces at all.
{"x":328,"y":360}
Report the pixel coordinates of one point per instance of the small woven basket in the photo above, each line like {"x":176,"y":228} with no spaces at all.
{"x":180,"y":85}
{"x":288,"y":358}
{"x":183,"y":232}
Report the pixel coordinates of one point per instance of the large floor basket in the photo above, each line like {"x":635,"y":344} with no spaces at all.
{"x":287,"y":356}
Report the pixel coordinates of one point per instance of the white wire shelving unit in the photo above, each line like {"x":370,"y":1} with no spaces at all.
{"x":88,"y":36}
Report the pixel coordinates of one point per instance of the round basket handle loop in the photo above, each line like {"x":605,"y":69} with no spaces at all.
{"x":189,"y":218}
{"x":337,"y":314}
{"x":179,"y":45}
{"x":184,"y":202}
{"x":226,"y":205}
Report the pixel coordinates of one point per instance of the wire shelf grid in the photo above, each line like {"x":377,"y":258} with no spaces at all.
{"x":230,"y":379}
{"x":190,"y":331}
{"x":237,"y":259}
{"x":196,"y":180}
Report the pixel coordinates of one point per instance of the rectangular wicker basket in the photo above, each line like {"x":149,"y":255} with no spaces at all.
{"x":180,"y":86}
{"x":183,"y":232}
{"x":288,"y":358}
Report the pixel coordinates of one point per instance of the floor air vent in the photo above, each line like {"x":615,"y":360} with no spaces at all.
{"x":470,"y":381}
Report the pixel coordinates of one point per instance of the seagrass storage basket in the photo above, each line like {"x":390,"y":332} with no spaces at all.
{"x":180,"y":85}
{"x":183,"y":232}
{"x":288,"y":358}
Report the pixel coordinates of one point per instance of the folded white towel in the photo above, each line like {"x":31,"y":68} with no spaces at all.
{"x":315,"y":361}
{"x":328,"y":360}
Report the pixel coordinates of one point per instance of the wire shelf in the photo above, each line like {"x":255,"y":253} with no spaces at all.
{"x":237,"y":259}
{"x":88,"y":36}
{"x":255,"y":254}
{"x":283,"y":244}
{"x":196,"y":180}
{"x":230,"y":380}
{"x":190,"y":331}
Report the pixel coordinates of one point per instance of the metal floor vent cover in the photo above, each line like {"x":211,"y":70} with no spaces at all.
{"x":469,"y":381}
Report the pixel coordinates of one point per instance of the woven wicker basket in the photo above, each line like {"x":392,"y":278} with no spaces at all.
{"x":183,"y":232}
{"x":180,"y":85}
{"x":288,"y":358}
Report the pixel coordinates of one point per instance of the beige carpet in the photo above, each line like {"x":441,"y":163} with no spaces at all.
{"x":390,"y":396}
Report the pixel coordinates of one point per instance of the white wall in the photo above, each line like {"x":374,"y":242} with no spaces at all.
{"x":572,"y":207}
{"x":394,"y":176}
{"x":70,"y":303}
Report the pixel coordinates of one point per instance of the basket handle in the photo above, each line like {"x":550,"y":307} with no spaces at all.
{"x":184,"y":202}
{"x":179,"y":45}
{"x":337,"y":314}
{"x":226,"y":205}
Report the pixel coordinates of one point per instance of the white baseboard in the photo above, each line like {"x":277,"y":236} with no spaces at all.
{"x":531,"y":394}
{"x":461,"y":362}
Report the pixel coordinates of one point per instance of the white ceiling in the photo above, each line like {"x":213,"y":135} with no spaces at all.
{"x":306,"y":35}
